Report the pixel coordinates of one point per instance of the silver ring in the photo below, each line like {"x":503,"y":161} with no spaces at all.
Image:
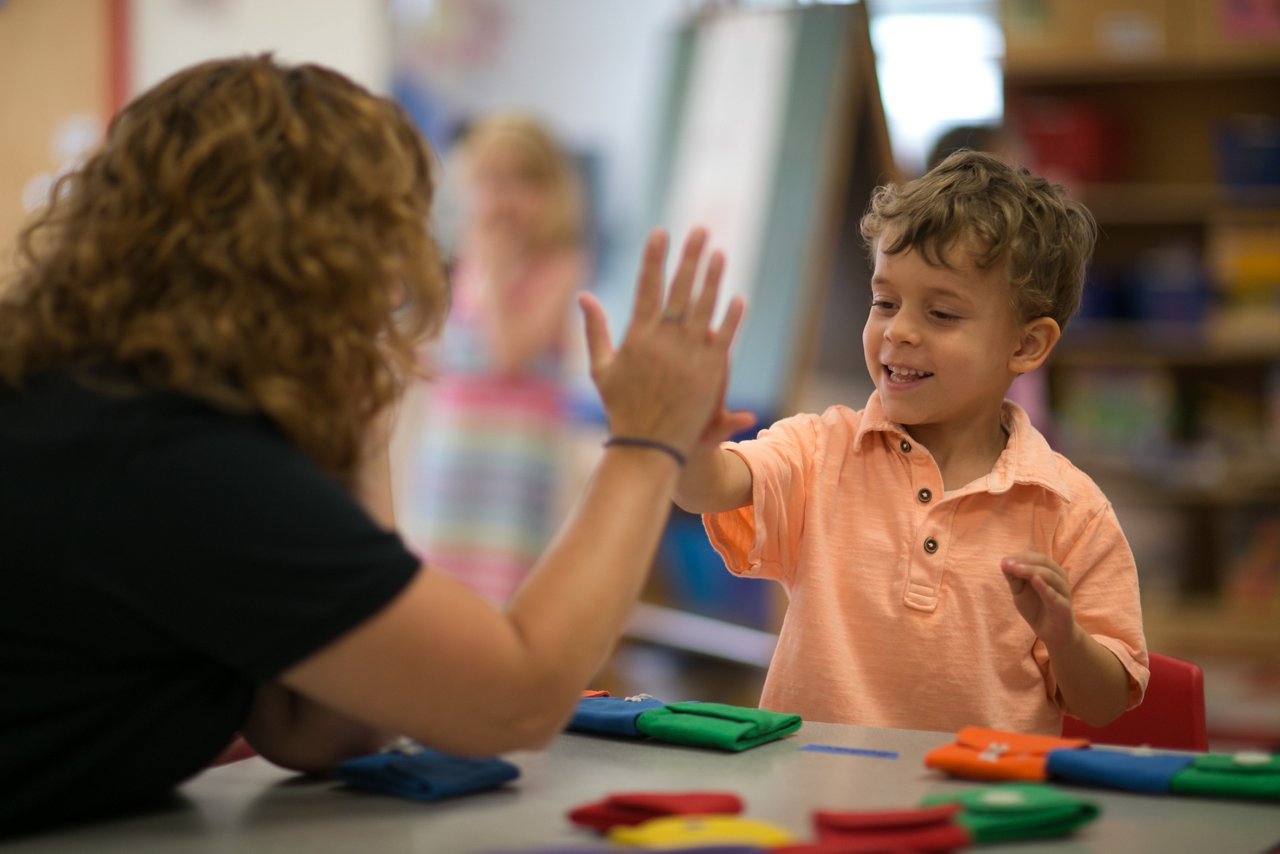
{"x":670,"y":316}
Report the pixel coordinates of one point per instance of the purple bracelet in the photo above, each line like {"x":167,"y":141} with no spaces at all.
{"x":654,"y":444}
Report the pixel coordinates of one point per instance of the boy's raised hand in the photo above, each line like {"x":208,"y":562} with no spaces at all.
{"x":1041,"y":594}
{"x":666,"y":380}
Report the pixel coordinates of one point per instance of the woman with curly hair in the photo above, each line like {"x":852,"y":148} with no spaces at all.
{"x":210,"y":323}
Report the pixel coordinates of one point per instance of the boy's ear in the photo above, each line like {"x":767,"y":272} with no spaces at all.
{"x":1038,"y":339}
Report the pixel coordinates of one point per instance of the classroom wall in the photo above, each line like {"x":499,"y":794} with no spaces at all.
{"x":53,"y":99}
{"x":594,"y":71}
{"x":352,"y":36}
{"x":60,"y":61}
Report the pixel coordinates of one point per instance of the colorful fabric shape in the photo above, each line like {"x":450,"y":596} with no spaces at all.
{"x":716,"y":725}
{"x":859,"y":845}
{"x":923,"y":829}
{"x":1015,"y":811}
{"x":1249,"y":774}
{"x":979,"y":753}
{"x":591,"y":692}
{"x":700,"y":831}
{"x":611,"y":715}
{"x":426,"y":775}
{"x":1116,"y":769}
{"x":631,"y":808}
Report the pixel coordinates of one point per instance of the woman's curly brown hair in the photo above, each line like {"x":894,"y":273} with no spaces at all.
{"x":1002,"y":215}
{"x":249,"y":233}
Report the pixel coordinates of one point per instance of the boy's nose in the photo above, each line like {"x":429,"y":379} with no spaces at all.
{"x":901,"y":328}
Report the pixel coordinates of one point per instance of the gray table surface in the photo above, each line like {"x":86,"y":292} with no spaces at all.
{"x":252,"y":806}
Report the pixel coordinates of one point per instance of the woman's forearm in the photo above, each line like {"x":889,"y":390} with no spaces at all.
{"x":570,"y":609}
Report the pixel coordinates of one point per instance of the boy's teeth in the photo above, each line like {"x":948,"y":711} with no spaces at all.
{"x":907,"y":372}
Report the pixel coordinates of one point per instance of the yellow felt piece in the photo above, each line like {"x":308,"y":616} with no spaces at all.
{"x":685,"y":831}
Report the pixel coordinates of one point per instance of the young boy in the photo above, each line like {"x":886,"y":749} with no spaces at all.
{"x":944,"y":565}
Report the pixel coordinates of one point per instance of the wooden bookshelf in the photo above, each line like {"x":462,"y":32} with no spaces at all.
{"x":1151,"y":89}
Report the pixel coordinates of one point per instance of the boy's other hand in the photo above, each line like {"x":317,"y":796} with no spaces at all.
{"x":1041,"y":594}
{"x":725,"y":423}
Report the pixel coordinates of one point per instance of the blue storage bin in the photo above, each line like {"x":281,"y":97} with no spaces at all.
{"x":697,"y":581}
{"x":1248,"y":151}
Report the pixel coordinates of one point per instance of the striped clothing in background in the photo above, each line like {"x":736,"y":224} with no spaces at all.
{"x":479,"y":496}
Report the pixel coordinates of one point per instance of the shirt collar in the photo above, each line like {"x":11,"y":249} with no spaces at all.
{"x":1027,"y":457}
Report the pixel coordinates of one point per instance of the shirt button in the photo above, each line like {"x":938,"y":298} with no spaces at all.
{"x":905,"y":446}
{"x":930,"y":545}
{"x":925,"y":496}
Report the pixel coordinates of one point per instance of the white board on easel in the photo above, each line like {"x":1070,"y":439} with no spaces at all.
{"x":772,"y":119}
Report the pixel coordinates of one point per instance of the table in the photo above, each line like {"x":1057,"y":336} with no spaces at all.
{"x":252,"y":806}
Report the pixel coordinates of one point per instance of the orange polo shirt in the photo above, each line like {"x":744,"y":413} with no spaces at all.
{"x":899,"y":615}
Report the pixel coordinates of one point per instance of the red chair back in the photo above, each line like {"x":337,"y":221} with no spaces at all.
{"x":235,"y":751}
{"x":1171,"y":715}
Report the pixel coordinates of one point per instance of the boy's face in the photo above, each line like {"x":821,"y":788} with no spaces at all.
{"x":939,"y":341}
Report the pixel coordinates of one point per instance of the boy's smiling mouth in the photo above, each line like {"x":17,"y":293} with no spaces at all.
{"x":903,"y":374}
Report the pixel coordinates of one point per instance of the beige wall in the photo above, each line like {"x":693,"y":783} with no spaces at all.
{"x":54,"y":88}
{"x":56,"y":56}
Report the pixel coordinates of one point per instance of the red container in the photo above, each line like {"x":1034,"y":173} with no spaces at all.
{"x":1072,"y":142}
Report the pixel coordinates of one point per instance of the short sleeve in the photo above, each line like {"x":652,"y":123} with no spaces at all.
{"x":234,"y":544}
{"x":761,"y":540}
{"x":1105,"y":599}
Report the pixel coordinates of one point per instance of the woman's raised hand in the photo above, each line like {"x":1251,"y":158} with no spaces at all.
{"x":666,"y":381}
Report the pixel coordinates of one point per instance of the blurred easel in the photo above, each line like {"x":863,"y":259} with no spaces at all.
{"x":774,"y":137}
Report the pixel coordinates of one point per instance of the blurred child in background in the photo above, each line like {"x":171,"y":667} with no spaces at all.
{"x":483,"y":447}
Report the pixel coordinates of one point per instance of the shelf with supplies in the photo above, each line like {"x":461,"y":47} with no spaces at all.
{"x":1194,"y":628}
{"x":1181,"y":420}
{"x":1126,"y":39}
{"x":1252,"y":338}
{"x":1119,"y":203}
{"x":1163,"y":117}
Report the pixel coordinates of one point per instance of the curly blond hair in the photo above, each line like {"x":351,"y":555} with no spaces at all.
{"x":1000,"y":214}
{"x":249,"y":233}
{"x":545,"y":163}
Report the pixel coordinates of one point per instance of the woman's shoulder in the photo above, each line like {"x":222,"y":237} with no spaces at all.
{"x":117,"y":407}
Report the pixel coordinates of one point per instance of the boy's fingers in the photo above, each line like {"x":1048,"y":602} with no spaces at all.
{"x":1014,"y":573}
{"x":1016,"y":584}
{"x":740,"y":420}
{"x":729,"y":326}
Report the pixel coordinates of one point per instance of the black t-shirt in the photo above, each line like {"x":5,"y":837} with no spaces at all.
{"x":158,"y":560}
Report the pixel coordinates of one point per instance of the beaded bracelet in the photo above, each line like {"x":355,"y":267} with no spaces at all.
{"x":637,"y":442}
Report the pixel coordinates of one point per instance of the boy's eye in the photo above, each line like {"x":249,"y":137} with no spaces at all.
{"x":942,"y":315}
{"x":882,"y":304}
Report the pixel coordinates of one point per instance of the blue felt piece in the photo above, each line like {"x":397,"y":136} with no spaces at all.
{"x":611,"y":715}
{"x":1116,"y":769}
{"x":427,"y":775}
